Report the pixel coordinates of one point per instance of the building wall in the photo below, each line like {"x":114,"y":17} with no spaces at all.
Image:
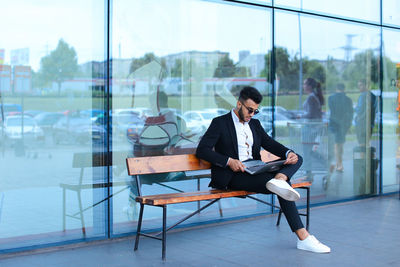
{"x":94,"y":83}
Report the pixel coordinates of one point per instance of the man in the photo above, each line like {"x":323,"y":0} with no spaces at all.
{"x":365,"y":114}
{"x":340,"y":118}
{"x":235,"y":137}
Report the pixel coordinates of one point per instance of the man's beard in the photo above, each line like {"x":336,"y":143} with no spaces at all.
{"x":240,"y":112}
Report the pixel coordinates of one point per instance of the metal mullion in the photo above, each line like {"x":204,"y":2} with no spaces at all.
{"x":107,"y":115}
{"x":381,"y":103}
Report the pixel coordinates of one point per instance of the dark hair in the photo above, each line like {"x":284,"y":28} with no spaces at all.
{"x":316,"y":87}
{"x":340,"y":86}
{"x":252,"y":93}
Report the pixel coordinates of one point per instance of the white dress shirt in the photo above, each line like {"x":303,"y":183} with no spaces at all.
{"x":244,"y":138}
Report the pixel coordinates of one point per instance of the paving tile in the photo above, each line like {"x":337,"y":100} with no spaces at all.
{"x":360,"y":233}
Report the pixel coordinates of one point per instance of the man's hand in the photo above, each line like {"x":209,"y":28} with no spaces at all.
{"x":236,"y":165}
{"x":291,"y":158}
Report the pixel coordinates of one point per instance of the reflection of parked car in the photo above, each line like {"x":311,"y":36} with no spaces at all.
{"x":10,"y":107}
{"x":32,"y":112}
{"x":6,"y":108}
{"x":196,"y":118}
{"x":92,"y":113}
{"x":46,"y":120}
{"x":265,"y":121}
{"x":13,"y":129}
{"x":279,"y":110}
{"x":72,"y":129}
{"x":218,"y":111}
{"x":126,"y":125}
{"x":141,"y":112}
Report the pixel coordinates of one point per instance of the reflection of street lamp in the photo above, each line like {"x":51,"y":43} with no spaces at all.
{"x":348,"y":48}
{"x":301,"y":58}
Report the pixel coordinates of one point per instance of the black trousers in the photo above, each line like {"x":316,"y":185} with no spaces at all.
{"x":257,"y":183}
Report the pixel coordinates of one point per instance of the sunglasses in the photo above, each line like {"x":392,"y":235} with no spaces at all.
{"x":250,"y":110}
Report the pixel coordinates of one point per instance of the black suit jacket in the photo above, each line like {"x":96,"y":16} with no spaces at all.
{"x":220,"y":142}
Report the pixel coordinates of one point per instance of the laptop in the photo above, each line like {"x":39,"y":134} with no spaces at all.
{"x":258,"y":166}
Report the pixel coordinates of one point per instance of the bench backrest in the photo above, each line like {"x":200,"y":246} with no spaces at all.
{"x":164,"y":164}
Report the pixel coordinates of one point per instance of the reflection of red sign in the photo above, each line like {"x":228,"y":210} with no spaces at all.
{"x":20,"y":56}
{"x":2,"y":52}
{"x":22,"y":78}
{"x":5,"y":78}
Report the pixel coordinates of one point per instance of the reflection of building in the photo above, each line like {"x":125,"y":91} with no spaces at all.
{"x":200,"y":59}
{"x":121,"y":67}
{"x":255,"y":63}
{"x":16,"y":79}
{"x":5,"y":78}
{"x":22,"y":78}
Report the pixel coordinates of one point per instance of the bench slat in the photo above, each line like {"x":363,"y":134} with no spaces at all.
{"x":165,"y":199}
{"x":164,"y":164}
{"x":301,"y":184}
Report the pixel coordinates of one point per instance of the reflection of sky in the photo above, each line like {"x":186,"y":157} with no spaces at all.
{"x":322,"y":37}
{"x":39,"y":24}
{"x":360,"y":9}
{"x":166,"y":27}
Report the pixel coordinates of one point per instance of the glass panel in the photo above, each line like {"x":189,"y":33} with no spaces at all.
{"x":355,"y":9}
{"x":390,"y":11}
{"x":179,"y":71}
{"x":52,"y":87}
{"x":391,"y":109}
{"x":259,"y":1}
{"x":342,"y":56}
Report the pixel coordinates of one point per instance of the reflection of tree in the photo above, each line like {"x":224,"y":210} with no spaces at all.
{"x":365,"y":65}
{"x":288,"y":67}
{"x":137,"y":63}
{"x":60,"y":65}
{"x":176,"y":70}
{"x":147,"y":67}
{"x":226,"y":68}
{"x":333,"y":76}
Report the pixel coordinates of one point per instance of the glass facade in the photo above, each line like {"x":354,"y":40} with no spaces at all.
{"x":390,"y":14}
{"x":333,"y":53}
{"x":141,"y":78}
{"x":356,"y":10}
{"x":390,"y":111}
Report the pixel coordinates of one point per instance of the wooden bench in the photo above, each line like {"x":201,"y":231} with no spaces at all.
{"x":183,"y":163}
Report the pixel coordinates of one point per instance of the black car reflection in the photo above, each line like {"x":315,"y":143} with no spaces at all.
{"x":72,"y":129}
{"x":46,"y":120}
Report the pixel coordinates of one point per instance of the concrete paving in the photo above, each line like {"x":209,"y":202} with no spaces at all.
{"x":360,"y":233}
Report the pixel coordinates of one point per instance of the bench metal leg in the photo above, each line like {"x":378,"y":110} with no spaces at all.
{"x":81,"y":212}
{"x":279,"y":217}
{"x":308,"y":208}
{"x":139,"y":226}
{"x":64,"y":209}
{"x":307,"y":214}
{"x":220,"y":209}
{"x":164,"y":231}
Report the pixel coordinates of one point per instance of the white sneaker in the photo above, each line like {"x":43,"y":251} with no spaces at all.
{"x":282,"y":189}
{"x":312,"y":244}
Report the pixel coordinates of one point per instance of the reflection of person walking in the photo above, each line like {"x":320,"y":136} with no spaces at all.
{"x":341,"y":116}
{"x":312,"y":117}
{"x":365,"y":114}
